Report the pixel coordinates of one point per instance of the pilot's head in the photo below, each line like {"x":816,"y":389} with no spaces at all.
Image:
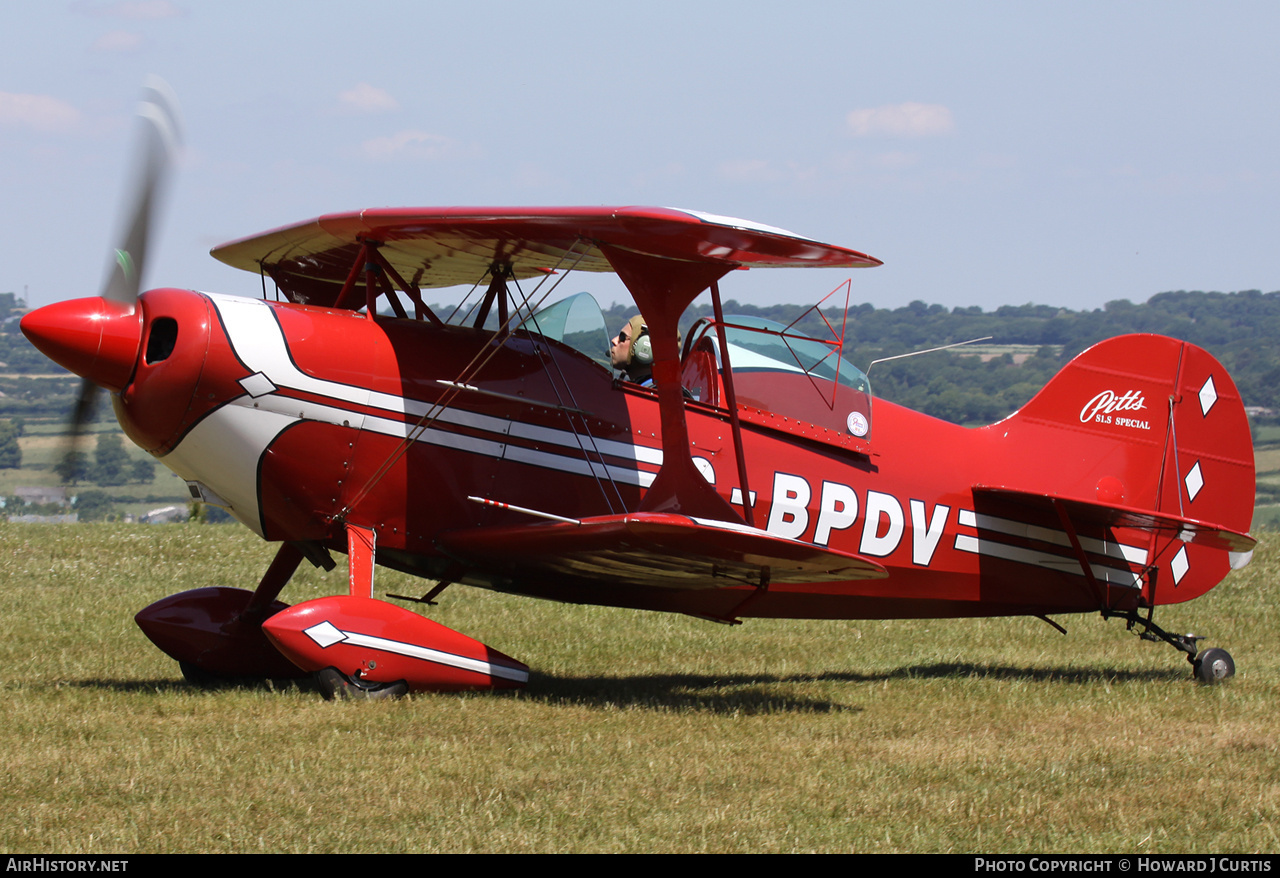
{"x":632,"y":350}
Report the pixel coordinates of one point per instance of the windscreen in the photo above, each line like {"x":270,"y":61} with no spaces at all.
{"x":577,"y":322}
{"x":770,"y":350}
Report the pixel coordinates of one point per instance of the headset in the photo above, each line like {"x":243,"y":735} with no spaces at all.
{"x":640,"y":345}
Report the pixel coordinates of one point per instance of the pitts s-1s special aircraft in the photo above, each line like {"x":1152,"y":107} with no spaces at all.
{"x":754,"y":477}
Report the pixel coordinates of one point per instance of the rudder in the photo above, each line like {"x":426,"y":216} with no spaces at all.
{"x":1147,"y":422}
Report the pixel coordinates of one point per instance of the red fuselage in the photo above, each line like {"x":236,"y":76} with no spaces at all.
{"x":301,"y":419}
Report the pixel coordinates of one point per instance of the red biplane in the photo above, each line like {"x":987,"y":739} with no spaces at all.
{"x":753,"y":477}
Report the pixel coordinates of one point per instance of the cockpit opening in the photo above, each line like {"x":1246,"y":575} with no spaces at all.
{"x":775,"y":371}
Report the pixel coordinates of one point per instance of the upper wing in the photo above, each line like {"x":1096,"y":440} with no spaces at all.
{"x":653,"y":549}
{"x":436,"y":247}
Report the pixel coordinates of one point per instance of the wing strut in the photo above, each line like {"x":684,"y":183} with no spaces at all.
{"x":376,"y":268}
{"x":1060,"y":508}
{"x":411,"y":290}
{"x":731,"y":399}
{"x":663,"y":288}
{"x":499,"y":274}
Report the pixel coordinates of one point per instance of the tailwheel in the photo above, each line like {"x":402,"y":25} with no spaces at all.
{"x":335,"y":685}
{"x":1213,"y":666}
{"x":1210,"y":666}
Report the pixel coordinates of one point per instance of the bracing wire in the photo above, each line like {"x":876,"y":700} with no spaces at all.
{"x":469,"y":371}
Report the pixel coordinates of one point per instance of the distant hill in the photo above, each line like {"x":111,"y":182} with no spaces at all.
{"x":1240,"y":329}
{"x":28,"y":386}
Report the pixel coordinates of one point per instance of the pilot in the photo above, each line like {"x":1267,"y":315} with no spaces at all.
{"x":631,"y":352}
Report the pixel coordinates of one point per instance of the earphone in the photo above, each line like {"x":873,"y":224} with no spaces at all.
{"x":641,"y":344}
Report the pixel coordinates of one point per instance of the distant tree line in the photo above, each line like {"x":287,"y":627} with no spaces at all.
{"x":1240,"y":329}
{"x":22,"y":395}
{"x":109,"y":466}
{"x":10,"y":450}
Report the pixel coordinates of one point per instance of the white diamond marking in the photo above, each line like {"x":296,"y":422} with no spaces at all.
{"x":1208,"y":396}
{"x":1179,"y":565}
{"x":1194,"y":481}
{"x":326,"y":634}
{"x":257,"y":385}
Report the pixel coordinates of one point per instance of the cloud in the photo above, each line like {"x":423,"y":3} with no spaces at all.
{"x":118,"y":41}
{"x":902,"y":120}
{"x":365,"y":98}
{"x":418,"y":145}
{"x":134,"y":10}
{"x":37,"y":112}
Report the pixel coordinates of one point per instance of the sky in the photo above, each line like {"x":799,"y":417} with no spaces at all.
{"x":990,"y":153}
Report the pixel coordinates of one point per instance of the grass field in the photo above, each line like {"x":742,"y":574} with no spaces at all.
{"x":46,"y":443}
{"x":1266,"y":457}
{"x":638,"y":731}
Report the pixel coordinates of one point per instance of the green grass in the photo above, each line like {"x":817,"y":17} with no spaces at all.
{"x":637,"y":732}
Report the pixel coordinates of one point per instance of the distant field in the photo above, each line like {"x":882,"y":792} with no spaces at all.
{"x":1266,"y":459}
{"x":1266,"y":518}
{"x":638,"y":732}
{"x":1266,"y":514}
{"x":46,"y":443}
{"x":1020,"y":352}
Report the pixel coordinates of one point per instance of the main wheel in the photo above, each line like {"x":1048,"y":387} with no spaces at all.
{"x":335,"y":685}
{"x":1213,"y":666}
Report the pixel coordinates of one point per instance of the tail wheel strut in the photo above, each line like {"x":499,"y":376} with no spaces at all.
{"x":1209,"y":666}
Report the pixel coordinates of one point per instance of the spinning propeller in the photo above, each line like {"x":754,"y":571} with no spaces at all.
{"x":98,"y":338}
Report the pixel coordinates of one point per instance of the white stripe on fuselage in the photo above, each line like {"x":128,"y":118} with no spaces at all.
{"x":1058,"y":563}
{"x":1064,"y":564}
{"x":223,"y":451}
{"x":260,"y":344}
{"x":216,"y":451}
{"x":1132,"y":554}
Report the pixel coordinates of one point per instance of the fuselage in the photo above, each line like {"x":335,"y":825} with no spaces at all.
{"x":301,"y":419}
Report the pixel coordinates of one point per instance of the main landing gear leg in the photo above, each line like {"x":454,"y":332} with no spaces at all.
{"x":1210,"y":666}
{"x":215,"y":633}
{"x":282,"y":568}
{"x":332,"y":683}
{"x":358,"y":646}
{"x":247,"y":625}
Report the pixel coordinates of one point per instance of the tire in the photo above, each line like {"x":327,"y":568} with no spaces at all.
{"x":1214,"y":666}
{"x":337,"y":686}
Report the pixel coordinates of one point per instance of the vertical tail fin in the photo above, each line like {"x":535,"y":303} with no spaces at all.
{"x":1145,"y":422}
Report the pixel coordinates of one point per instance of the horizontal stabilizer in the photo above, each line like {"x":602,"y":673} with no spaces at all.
{"x":1048,"y":509}
{"x":653,"y":549}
